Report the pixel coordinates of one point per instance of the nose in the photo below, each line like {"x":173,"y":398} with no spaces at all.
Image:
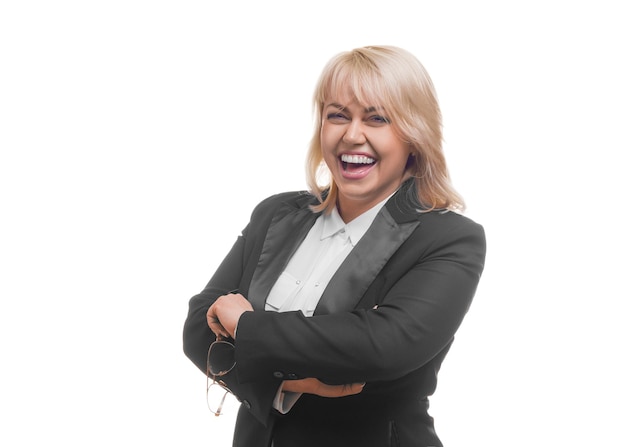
{"x":354,"y":133}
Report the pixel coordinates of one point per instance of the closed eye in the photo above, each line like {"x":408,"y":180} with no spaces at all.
{"x":379,"y":119}
{"x":336,"y":116}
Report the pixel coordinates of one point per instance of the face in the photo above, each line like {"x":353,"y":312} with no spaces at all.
{"x":365,"y":156}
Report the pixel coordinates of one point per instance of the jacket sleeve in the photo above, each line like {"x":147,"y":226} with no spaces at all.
{"x":231,"y":275}
{"x":416,"y":319}
{"x":197,"y":337}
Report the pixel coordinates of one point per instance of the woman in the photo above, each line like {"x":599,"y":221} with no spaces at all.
{"x":342,"y":302}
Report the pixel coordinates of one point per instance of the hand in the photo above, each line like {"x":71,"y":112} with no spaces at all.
{"x":313,"y":386}
{"x":223,"y":316}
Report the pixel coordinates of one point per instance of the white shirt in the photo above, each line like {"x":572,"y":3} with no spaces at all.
{"x":311,"y":268}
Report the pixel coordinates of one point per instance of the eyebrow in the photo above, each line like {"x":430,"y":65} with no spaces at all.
{"x":366,"y":110}
{"x":373,"y":109}
{"x":336,"y":106}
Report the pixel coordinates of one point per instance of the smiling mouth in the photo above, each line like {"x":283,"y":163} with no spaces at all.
{"x":356,"y":163}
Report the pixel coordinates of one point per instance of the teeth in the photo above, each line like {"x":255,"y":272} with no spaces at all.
{"x":357,"y":159}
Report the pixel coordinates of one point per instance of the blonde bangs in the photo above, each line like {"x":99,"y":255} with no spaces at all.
{"x":356,"y":75}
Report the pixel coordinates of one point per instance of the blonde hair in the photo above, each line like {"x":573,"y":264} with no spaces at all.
{"x":394,"y":79}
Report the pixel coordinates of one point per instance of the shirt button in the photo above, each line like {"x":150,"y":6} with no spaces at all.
{"x":298,"y":281}
{"x":246,"y":404}
{"x":279,"y":374}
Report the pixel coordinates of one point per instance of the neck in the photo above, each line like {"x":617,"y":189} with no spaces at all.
{"x":351,"y":209}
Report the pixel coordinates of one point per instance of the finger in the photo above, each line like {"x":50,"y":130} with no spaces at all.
{"x":348,"y":389}
{"x":351,"y":389}
{"x":219,"y":330}
{"x":215,"y":325}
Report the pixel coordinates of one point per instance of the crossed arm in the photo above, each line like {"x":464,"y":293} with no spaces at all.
{"x":423,"y":296}
{"x":223,"y":317}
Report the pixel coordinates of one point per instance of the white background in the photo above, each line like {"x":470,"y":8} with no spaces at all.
{"x":137,"y":136}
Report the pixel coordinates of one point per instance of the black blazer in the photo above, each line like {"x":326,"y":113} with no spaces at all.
{"x":420,"y":268}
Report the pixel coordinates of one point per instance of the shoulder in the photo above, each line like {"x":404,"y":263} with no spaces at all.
{"x":287,"y":201}
{"x":450,"y":224}
{"x":438,"y":230}
{"x":447,"y":220}
{"x":449,"y":231}
{"x":297,"y":199}
{"x":404,"y":207}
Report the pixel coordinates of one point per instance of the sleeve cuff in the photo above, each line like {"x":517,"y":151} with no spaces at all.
{"x":285,"y":400}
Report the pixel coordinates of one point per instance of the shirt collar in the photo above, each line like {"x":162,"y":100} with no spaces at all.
{"x":333,"y":224}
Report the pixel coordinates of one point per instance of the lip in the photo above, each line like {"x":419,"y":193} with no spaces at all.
{"x":358,"y":173}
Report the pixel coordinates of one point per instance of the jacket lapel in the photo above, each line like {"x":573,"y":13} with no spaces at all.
{"x":392,"y":226}
{"x":286,"y":232}
{"x":366,"y":260}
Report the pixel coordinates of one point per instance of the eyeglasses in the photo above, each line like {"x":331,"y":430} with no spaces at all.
{"x":220,"y":361}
